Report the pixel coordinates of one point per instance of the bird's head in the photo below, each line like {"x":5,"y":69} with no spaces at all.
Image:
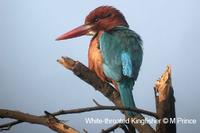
{"x":103,"y":18}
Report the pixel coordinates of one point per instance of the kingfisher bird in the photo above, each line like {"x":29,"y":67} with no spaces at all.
{"x":115,"y":52}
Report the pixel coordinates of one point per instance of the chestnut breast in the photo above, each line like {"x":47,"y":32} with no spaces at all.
{"x":95,"y":59}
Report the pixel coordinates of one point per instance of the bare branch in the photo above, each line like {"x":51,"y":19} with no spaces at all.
{"x":91,"y":78}
{"x":71,"y":111}
{"x":106,"y":89}
{"x":88,"y":109}
{"x":165,"y":102}
{"x":102,"y":107}
{"x":7,"y":126}
{"x":49,"y":121}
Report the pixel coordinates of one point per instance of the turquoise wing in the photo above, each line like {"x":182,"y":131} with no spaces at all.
{"x":122,"y":53}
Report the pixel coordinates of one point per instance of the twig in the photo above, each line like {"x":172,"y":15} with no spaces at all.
{"x":96,"y":102}
{"x":85,"y":131}
{"x":7,"y":126}
{"x":114,"y":127}
{"x":102,"y":107}
{"x":124,"y":128}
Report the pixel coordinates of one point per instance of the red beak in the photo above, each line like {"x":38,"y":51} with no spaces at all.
{"x":79,"y":31}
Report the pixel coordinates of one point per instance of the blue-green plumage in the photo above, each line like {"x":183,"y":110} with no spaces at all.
{"x":115,"y":52}
{"x":122,"y":54}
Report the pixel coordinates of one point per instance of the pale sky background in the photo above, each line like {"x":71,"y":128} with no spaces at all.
{"x":32,"y":81}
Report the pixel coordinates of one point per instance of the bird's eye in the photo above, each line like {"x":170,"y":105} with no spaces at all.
{"x":96,"y":20}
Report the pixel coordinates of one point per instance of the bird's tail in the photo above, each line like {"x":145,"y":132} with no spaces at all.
{"x":125,"y":90}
